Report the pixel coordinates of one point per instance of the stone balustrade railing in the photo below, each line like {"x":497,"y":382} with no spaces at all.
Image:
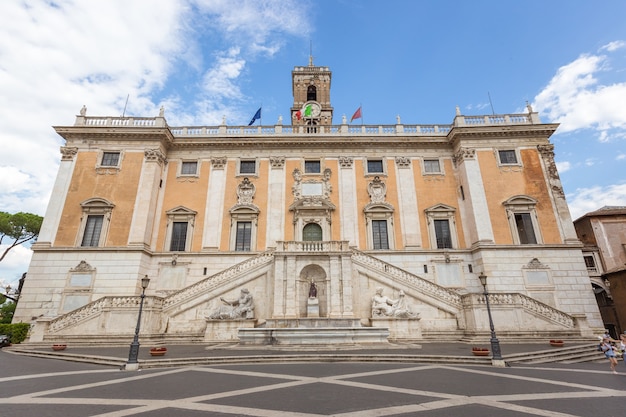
{"x":529,"y":304}
{"x":97,"y":307}
{"x":313,"y":246}
{"x":286,"y":130}
{"x":216,"y":280}
{"x":422,"y":285}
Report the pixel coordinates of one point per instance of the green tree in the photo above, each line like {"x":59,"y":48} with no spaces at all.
{"x":7,"y":309}
{"x":21,"y":227}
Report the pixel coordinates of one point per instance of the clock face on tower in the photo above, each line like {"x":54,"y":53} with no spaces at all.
{"x":314,"y":111}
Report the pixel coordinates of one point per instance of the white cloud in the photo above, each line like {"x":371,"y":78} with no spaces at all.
{"x":620,"y":157}
{"x":563,"y":166}
{"x":14,"y":264}
{"x":575,"y":98}
{"x":613,"y":46}
{"x":585,"y":200}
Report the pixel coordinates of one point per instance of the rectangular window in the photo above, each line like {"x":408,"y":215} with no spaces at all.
{"x":379,"y":234}
{"x":179,"y":237}
{"x":590,"y":263}
{"x":525,"y":229}
{"x":442,"y":234}
{"x":247,"y":167}
{"x":508,"y":157}
{"x":189,"y":168}
{"x":431,"y":165}
{"x":243,"y":238}
{"x":375,"y":166}
{"x":110,"y":159}
{"x":93,"y":227}
{"x":312,"y":167}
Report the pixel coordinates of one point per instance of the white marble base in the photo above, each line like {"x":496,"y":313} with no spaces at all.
{"x":313,"y":336}
{"x":313,"y":307}
{"x":399,"y":328}
{"x":225,"y":330}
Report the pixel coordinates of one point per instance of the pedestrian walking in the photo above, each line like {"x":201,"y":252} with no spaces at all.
{"x":609,"y":352}
{"x":622,"y":346}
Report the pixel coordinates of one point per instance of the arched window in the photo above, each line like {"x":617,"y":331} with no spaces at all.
{"x":312,"y":232}
{"x":311,"y":93}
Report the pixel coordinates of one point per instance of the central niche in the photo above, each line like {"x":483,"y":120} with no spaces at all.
{"x":312,"y":273}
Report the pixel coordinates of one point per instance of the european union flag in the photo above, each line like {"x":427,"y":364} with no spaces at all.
{"x":257,"y":115}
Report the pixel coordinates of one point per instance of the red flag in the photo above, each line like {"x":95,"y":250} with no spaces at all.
{"x":298,"y":115}
{"x":356,"y":115}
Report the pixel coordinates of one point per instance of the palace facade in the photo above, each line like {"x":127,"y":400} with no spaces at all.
{"x":312,"y":219}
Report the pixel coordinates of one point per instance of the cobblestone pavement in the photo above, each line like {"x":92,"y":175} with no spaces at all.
{"x":50,"y":388}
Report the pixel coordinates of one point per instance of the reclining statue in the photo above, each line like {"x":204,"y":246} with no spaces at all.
{"x":242,"y":308}
{"x":383,"y":306}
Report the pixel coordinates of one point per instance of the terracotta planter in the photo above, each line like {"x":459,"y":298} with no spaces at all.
{"x":556,"y":343}
{"x":480,"y":351}
{"x":158,"y":351}
{"x":59,"y":347}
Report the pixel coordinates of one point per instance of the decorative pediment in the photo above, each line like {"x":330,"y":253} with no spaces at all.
{"x":521,"y":202}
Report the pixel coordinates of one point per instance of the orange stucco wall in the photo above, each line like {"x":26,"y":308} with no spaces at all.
{"x":118,"y":188}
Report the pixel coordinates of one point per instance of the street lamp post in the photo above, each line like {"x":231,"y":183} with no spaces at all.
{"x":496,"y":359}
{"x":133,"y":354}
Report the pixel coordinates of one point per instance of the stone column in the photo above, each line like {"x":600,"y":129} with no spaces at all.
{"x":335,"y":288}
{"x":279,"y":287}
{"x":142,"y":223}
{"x":562,"y":214}
{"x":347,"y":200}
{"x":214,"y":205}
{"x":291,"y":289}
{"x":276,"y":201}
{"x":477,"y":210}
{"x":51,"y":220}
{"x":346,"y":285}
{"x":407,"y":200}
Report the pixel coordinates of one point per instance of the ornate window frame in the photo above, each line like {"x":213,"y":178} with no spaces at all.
{"x":100,"y":159}
{"x":439,"y":161}
{"x":179,"y":171}
{"x":247,"y":213}
{"x":78,"y":287}
{"x":379,"y":211}
{"x":441,"y":212}
{"x":521,"y":204}
{"x":180,"y":214}
{"x":95,"y":207}
{"x":518,"y":159}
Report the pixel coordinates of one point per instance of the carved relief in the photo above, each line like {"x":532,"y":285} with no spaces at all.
{"x":155,"y":155}
{"x":67,"y":153}
{"x":345,"y":162}
{"x":218,"y":162}
{"x":296,"y":188}
{"x":245,"y":192}
{"x":277,"y":162}
{"x":547,"y":153}
{"x":463,"y":154}
{"x":82,"y":267}
{"x":403,"y":162}
{"x":377,"y":190}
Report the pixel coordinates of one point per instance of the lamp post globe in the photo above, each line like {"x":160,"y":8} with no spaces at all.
{"x":495,"y":343}
{"x":133,"y":354}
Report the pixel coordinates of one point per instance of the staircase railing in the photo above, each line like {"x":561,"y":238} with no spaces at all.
{"x":214,"y":281}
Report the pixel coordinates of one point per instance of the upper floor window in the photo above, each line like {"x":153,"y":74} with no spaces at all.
{"x":380,"y":238}
{"x":432,"y":166}
{"x":375,"y":166}
{"x":590,"y":263}
{"x":507,"y":157}
{"x":247,"y":166}
{"x":94,"y":222}
{"x":244,"y":236}
{"x":110,"y":159}
{"x":442,"y":226}
{"x":312,"y":167}
{"x":180,"y":226}
{"x":189,"y":168}
{"x":93,"y":230}
{"x":522,"y":216}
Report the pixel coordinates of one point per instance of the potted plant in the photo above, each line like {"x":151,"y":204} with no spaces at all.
{"x":556,"y":343}
{"x":158,"y":351}
{"x":59,"y":346}
{"x":477,"y":351}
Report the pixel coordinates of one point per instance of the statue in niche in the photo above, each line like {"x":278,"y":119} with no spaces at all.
{"x":245,"y":192}
{"x":313,"y":290}
{"x":241,"y":308}
{"x":377,"y":190}
{"x":383,"y":306}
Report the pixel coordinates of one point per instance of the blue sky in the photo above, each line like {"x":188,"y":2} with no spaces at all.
{"x":203,"y":60}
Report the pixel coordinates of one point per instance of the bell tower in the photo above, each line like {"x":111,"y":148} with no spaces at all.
{"x":311,"y":96}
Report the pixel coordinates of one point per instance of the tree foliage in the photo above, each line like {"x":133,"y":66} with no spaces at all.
{"x":21,"y":227}
{"x":7,"y":309}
